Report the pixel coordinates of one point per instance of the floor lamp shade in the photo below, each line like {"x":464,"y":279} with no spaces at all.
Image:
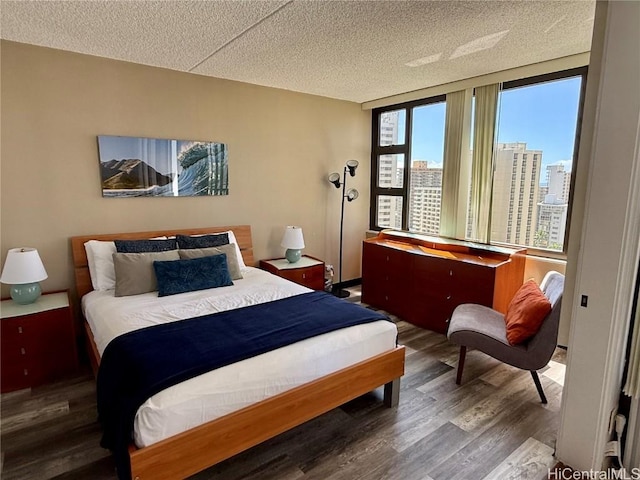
{"x":293,"y":241}
{"x":23,"y":269}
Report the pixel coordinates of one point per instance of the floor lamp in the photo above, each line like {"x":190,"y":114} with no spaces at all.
{"x":350,"y":195}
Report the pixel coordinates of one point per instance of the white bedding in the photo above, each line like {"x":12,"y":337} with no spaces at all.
{"x":235,"y":386}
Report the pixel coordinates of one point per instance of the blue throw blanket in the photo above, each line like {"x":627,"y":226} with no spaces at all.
{"x":139,"y":364}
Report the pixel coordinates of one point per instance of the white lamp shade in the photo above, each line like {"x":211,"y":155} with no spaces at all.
{"x":23,"y":265}
{"x":293,"y":238}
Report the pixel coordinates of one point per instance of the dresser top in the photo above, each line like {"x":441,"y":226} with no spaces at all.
{"x":469,"y":252}
{"x":49,"y":301}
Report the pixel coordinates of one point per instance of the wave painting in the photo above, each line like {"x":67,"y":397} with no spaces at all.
{"x":149,"y":167}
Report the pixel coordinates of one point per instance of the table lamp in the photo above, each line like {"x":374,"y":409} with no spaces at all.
{"x":293,"y":241}
{"x":23,"y":269}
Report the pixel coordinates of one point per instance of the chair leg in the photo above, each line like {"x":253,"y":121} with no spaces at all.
{"x":536,"y":380}
{"x":463,"y":353}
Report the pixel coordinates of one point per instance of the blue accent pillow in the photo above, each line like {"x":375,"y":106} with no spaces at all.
{"x":204,"y":241}
{"x":143,"y":246}
{"x":179,"y":276}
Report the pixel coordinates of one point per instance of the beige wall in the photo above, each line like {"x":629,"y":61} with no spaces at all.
{"x":281,"y":147}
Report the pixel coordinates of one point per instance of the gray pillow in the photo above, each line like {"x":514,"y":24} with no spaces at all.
{"x":135,"y":273}
{"x":229,"y":250}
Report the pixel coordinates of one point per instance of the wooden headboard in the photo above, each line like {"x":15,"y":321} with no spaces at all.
{"x":81,"y":267}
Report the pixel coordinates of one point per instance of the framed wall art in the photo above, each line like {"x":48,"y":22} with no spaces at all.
{"x":152,"y":167}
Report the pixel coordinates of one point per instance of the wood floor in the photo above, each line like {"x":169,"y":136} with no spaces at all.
{"x":491,"y":427}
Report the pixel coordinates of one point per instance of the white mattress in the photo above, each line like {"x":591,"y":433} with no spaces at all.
{"x":235,"y":386}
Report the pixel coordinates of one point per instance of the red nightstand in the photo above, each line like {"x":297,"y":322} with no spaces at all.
{"x":38,"y":341}
{"x":307,"y":271}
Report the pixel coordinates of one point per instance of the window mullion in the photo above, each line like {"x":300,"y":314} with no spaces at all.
{"x":407,"y":170}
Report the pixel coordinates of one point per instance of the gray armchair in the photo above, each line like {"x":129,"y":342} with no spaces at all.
{"x":482,"y":328}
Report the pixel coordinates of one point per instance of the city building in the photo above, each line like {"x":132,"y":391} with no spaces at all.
{"x":425,"y":198}
{"x":553,"y":209}
{"x":390,"y":174}
{"x":516,"y":183}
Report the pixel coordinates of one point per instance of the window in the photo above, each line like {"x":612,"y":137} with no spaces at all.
{"x":407,"y":158}
{"x":536,"y":128}
{"x":533,"y":160}
{"x":425,"y":176}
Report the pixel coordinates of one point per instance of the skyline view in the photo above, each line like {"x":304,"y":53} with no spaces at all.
{"x":544,"y":122}
{"x":532,"y":160}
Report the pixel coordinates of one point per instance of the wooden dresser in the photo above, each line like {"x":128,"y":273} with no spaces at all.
{"x":422,"y":279}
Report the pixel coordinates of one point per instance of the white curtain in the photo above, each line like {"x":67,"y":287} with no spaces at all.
{"x":456,"y":174}
{"x":482,"y":168}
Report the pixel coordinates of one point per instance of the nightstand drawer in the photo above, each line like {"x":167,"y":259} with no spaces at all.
{"x":15,"y":377}
{"x":34,"y":372}
{"x":312,"y":277}
{"x":48,"y":326}
{"x":40,"y":334}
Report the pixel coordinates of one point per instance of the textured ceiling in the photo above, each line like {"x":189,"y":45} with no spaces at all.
{"x":351,"y":50}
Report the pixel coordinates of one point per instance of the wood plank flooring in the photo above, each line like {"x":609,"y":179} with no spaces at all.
{"x":491,"y":427}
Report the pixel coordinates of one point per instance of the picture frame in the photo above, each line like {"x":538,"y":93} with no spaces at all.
{"x":153,"y":167}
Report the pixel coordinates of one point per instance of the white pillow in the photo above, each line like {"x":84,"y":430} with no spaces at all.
{"x":232,"y":239}
{"x":100,"y":260}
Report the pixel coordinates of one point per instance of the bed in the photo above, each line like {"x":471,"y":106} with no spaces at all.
{"x":174,"y":450}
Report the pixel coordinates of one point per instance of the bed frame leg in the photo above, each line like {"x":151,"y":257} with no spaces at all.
{"x":392,"y":393}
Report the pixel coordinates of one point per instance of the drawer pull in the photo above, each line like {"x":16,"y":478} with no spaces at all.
{"x":19,"y":329}
{"x":23,"y":351}
{"x":448,"y":297}
{"x":304,"y":275}
{"x":26,"y":372}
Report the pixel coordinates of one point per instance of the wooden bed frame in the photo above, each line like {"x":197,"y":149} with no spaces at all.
{"x":194,"y":450}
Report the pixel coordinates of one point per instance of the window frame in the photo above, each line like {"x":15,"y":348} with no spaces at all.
{"x":404,"y":191}
{"x":377,"y":150}
{"x":544,"y":78}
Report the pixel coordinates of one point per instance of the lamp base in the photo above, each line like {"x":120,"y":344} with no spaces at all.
{"x":25,"y":293}
{"x":292,"y":255}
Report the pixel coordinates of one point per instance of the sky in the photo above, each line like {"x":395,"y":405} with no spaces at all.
{"x":155,"y":152}
{"x":543,"y":116}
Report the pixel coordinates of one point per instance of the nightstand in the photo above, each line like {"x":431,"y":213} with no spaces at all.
{"x":38,"y":341}
{"x":307,"y":271}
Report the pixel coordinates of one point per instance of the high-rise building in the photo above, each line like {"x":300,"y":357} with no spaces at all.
{"x":553,"y":209}
{"x":425,"y":198}
{"x":558,"y":182}
{"x":390,"y":174}
{"x":389,"y":128}
{"x":516,"y":179}
{"x":552,"y":219}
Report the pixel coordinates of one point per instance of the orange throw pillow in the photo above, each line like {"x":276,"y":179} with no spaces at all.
{"x":526,"y":312}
